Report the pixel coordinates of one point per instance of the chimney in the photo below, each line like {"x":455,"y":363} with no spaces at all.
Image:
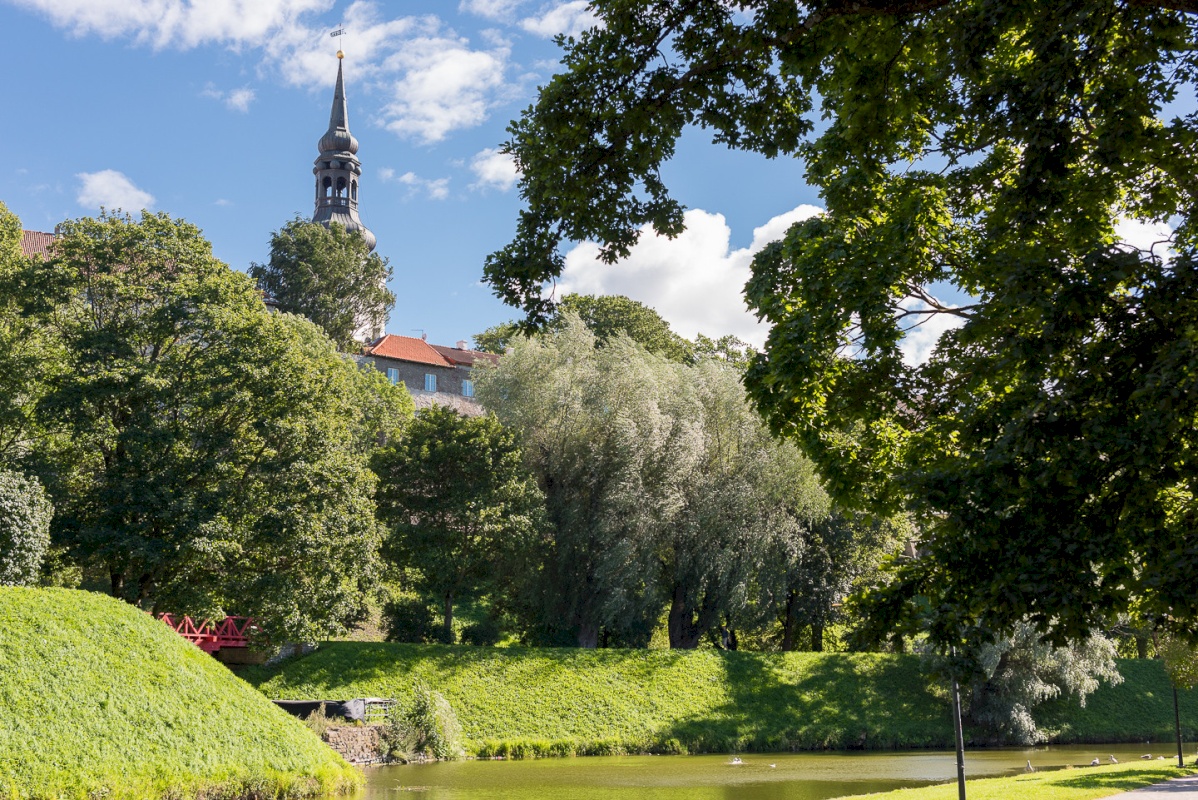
{"x":462,"y":344}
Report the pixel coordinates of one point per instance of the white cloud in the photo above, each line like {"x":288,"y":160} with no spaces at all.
{"x":176,"y":23}
{"x":1151,"y":237}
{"x":112,"y":190}
{"x":431,"y":81}
{"x":695,"y":281}
{"x":570,"y":18}
{"x":491,"y":9}
{"x":923,"y":331}
{"x":240,"y":99}
{"x":443,"y":86}
{"x":237,"y":100}
{"x":494,"y":170}
{"x":433,"y":188}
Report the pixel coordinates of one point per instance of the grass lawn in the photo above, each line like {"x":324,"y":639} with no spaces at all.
{"x":528,"y":702}
{"x":98,"y":699}
{"x":1064,"y":784}
{"x":525,"y":701}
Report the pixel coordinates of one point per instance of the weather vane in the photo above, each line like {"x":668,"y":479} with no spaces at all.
{"x":339,"y":32}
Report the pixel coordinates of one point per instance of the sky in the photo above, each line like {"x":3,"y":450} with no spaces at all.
{"x":210,"y":110}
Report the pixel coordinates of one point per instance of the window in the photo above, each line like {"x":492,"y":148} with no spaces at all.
{"x":393,"y":375}
{"x":467,"y":388}
{"x":430,"y":382}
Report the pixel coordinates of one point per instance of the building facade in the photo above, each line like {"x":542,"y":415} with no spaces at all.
{"x":433,"y":374}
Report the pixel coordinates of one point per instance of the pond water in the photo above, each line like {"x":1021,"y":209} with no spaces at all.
{"x":761,"y":776}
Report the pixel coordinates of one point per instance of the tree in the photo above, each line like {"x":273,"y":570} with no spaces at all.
{"x":744,"y":498}
{"x":808,"y":577}
{"x":25,"y":514}
{"x":1019,"y":671}
{"x":329,"y":276}
{"x":730,"y":349}
{"x":1047,"y":447}
{"x":28,"y":356}
{"x":606,"y":316}
{"x":663,"y":489}
{"x":455,"y":496}
{"x":189,"y":460}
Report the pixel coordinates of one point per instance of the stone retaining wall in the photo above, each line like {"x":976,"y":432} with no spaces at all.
{"x":357,"y":744}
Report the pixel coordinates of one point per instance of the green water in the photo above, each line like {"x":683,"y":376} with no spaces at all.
{"x":769,"y":776}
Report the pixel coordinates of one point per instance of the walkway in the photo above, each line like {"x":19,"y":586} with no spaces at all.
{"x":1177,"y":789}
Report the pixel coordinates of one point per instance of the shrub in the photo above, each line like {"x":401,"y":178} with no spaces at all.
{"x":481,"y":634}
{"x":429,"y":727}
{"x":434,"y":725}
{"x":25,"y":514}
{"x":318,"y":721}
{"x":409,"y":619}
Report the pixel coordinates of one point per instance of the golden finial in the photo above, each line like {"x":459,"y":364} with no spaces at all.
{"x":340,"y":54}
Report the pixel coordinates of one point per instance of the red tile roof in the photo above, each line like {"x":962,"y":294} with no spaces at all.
{"x":406,"y":348}
{"x":36,"y":243}
{"x":464,"y":357}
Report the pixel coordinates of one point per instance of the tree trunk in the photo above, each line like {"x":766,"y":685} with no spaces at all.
{"x":685,"y":626}
{"x":447,"y":631}
{"x":789,"y":623}
{"x":588,"y":635}
{"x":1141,"y":646}
{"x":817,"y":637}
{"x":117,"y":581}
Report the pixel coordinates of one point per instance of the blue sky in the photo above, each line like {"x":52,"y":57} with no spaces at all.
{"x":210,"y":110}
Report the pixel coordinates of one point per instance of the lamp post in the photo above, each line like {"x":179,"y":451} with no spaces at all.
{"x":960,"y":735}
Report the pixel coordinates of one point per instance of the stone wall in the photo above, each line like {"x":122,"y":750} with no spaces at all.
{"x":357,"y":744}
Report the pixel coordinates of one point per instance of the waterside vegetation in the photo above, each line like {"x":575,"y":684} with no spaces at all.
{"x":102,"y":700}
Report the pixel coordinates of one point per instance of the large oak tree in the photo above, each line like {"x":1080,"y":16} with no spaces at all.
{"x":986,"y":148}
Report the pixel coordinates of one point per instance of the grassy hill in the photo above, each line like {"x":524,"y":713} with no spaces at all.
{"x":534,"y":701}
{"x":522,"y":701}
{"x":98,"y":698}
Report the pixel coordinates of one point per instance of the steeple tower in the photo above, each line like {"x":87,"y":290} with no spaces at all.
{"x":337,"y":169}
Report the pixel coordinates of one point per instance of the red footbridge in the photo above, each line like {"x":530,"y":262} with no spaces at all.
{"x":212,"y":636}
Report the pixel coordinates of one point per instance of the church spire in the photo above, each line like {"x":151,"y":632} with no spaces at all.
{"x":337,"y":169}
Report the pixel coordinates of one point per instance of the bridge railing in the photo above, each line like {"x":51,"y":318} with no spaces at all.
{"x":209,"y":636}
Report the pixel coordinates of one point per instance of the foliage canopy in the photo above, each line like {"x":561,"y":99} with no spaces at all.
{"x":455,"y":496}
{"x":25,"y":514}
{"x":188,"y":465}
{"x":982,"y":147}
{"x":329,"y":276}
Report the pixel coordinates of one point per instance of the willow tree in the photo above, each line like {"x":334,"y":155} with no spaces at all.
{"x":982,"y":147}
{"x":663,"y":489}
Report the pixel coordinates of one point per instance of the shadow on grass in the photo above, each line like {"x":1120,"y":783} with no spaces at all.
{"x":803,"y":702}
{"x":1124,"y":782}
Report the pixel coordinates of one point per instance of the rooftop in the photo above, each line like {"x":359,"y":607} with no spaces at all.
{"x":406,"y":348}
{"x":36,"y":243}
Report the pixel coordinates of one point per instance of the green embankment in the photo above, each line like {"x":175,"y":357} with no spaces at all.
{"x":1065,"y":784}
{"x":99,"y":699}
{"x":522,"y":701}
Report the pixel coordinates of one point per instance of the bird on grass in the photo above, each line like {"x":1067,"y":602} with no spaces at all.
{"x":1146,"y":757}
{"x":1095,"y":762}
{"x":1114,"y":760}
{"x":1029,"y":767}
